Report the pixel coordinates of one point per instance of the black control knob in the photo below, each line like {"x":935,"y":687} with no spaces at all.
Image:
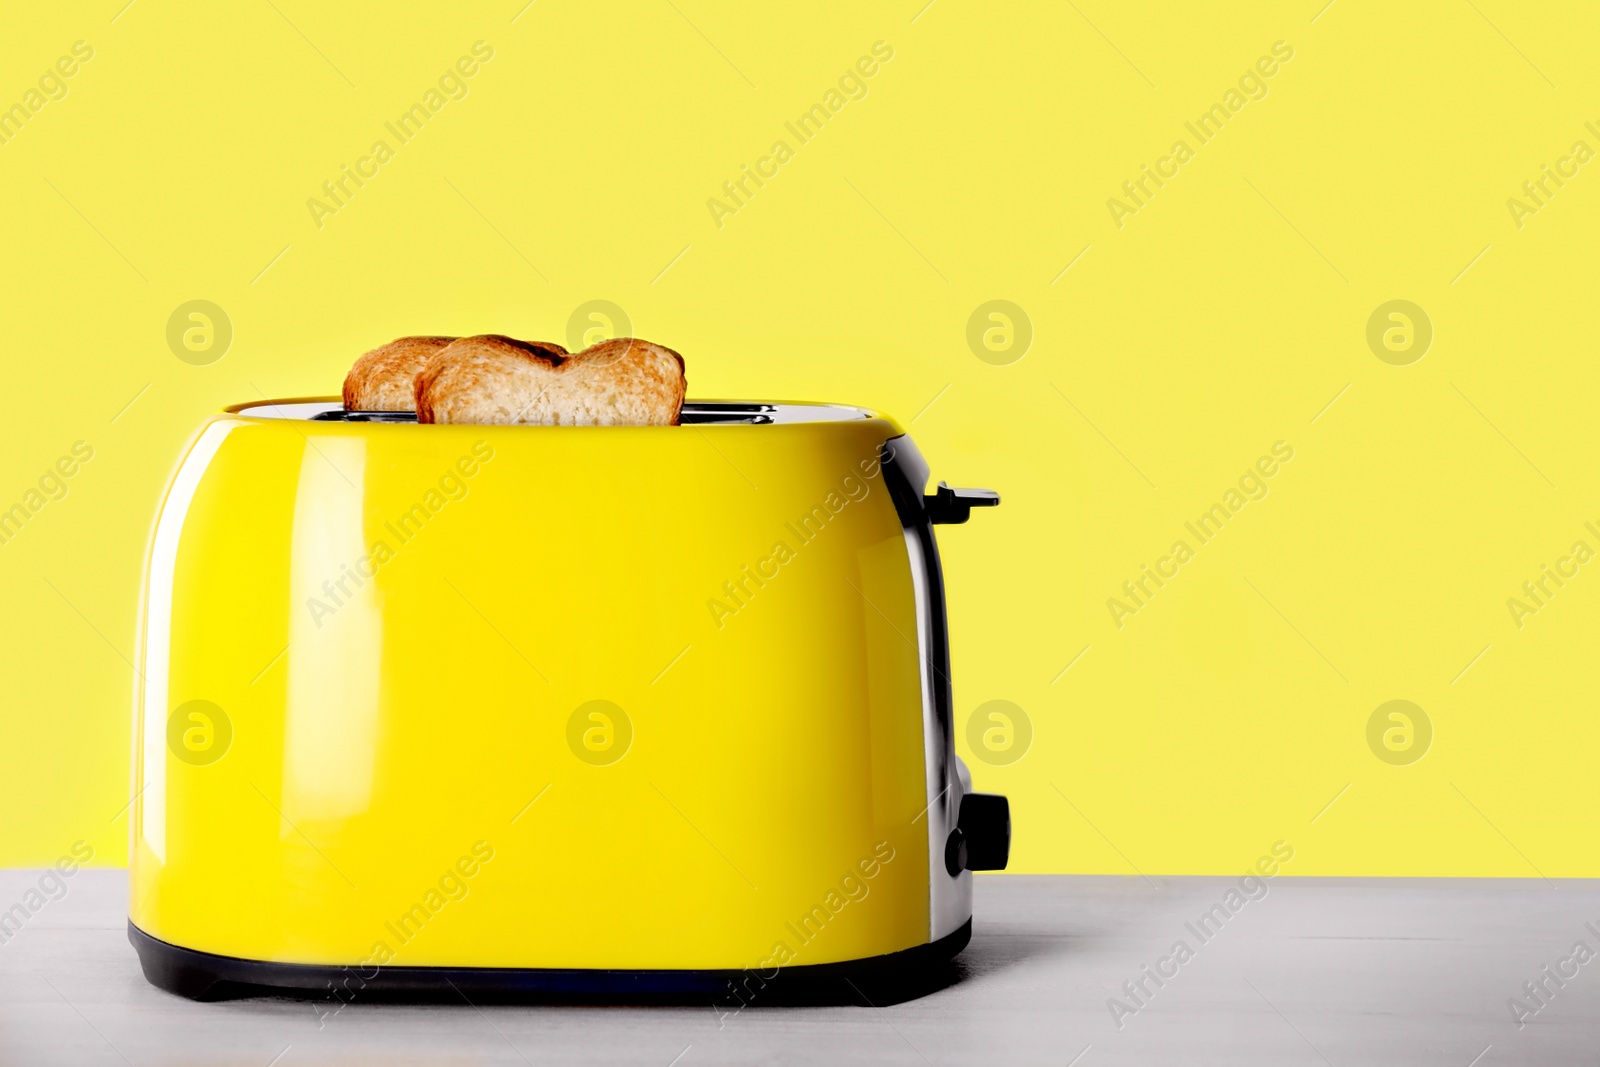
{"x":981,"y":840}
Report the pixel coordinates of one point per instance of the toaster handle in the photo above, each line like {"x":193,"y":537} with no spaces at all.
{"x":950,"y":506}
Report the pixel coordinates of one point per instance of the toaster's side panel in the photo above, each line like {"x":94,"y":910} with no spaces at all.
{"x":536,"y":698}
{"x":197,"y":732}
{"x":905,"y":474}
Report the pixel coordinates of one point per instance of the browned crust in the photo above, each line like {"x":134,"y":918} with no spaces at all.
{"x":452,"y":366}
{"x":382,"y":379}
{"x":492,"y":379}
{"x":539,"y":351}
{"x":620,"y":346}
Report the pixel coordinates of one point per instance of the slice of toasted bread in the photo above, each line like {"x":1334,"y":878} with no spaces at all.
{"x":384,"y":379}
{"x":493,"y":379}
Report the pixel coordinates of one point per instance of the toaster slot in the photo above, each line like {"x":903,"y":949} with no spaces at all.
{"x":693,"y":413}
{"x":704,"y":414}
{"x":341,"y":415}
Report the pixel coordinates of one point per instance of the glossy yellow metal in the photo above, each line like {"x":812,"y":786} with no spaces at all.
{"x":397,"y":624}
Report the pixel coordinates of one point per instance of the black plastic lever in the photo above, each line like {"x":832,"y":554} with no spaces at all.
{"x":952,"y":507}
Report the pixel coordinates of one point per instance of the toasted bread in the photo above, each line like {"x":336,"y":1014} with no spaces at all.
{"x":384,"y":379}
{"x":499,"y":380}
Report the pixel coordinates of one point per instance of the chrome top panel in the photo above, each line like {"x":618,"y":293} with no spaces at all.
{"x":695,"y":412}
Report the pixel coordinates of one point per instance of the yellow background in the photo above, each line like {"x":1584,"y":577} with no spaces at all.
{"x":1223,"y":317}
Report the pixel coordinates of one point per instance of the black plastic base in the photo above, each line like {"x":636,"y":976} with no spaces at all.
{"x":891,"y":978}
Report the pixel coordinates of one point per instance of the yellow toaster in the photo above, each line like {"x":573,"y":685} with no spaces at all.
{"x":549,"y":710}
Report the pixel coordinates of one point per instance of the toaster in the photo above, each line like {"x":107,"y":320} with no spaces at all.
{"x":534,"y":710}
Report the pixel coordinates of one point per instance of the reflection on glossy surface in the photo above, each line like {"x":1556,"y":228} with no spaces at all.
{"x":149,"y":820}
{"x":335,"y":642}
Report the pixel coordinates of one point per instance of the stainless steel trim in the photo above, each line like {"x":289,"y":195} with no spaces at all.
{"x":905,"y":473}
{"x":695,"y":412}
